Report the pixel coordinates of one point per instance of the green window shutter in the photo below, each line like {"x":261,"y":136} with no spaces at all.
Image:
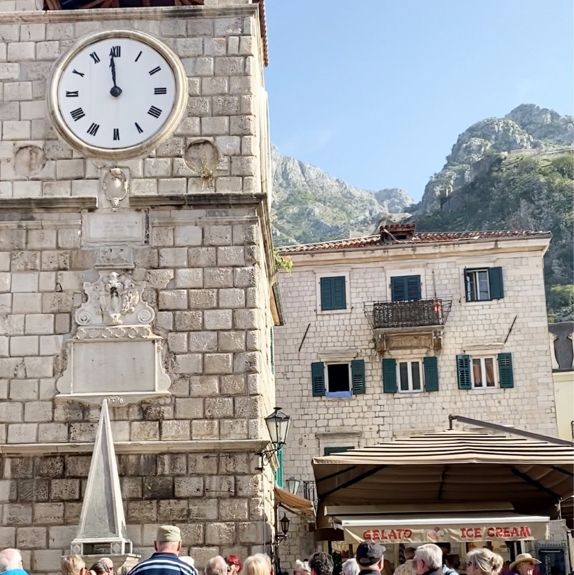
{"x":333,"y":293}
{"x":431,"y":373}
{"x":405,"y":288}
{"x":505,"y":370}
{"x":463,"y":371}
{"x":279,"y":470}
{"x":390,"y":376}
{"x":358,"y":376}
{"x":318,"y":378}
{"x":496,"y":283}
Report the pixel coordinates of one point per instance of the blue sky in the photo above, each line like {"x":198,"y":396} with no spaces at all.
{"x":375,"y":92}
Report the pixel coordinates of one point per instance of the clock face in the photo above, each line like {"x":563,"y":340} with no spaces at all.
{"x":117,"y":91}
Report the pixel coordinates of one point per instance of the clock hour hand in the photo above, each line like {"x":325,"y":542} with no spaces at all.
{"x":116,"y":90}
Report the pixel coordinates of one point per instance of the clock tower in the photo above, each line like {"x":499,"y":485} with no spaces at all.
{"x":135,"y":267}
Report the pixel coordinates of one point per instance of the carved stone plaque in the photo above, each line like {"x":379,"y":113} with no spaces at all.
{"x":113,"y":228}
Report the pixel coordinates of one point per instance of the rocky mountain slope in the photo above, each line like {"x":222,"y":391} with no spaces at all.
{"x":311,"y":206}
{"x":515,"y":172}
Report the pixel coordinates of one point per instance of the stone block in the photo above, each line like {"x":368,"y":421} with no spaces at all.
{"x":219,"y":486}
{"x":233,"y":429}
{"x":7,"y":537}
{"x":218,"y":407}
{"x":218,"y":319}
{"x":192,"y":533}
{"x":204,"y":429}
{"x":172,"y":464}
{"x":47,"y":281}
{"x":203,"y":509}
{"x":38,"y":411}
{"x":203,"y":463}
{"x":70,"y":169}
{"x":157,"y":167}
{"x":26,"y":303}
{"x":82,"y":431}
{"x":24,"y":345}
{"x":31,"y":537}
{"x":188,"y":235}
{"x":188,"y":363}
{"x":175,"y":430}
{"x":39,"y":367}
{"x":232,"y":298}
{"x":47,"y":560}
{"x":144,"y":430}
{"x":218,"y":277}
{"x":172,"y":510}
{"x":27,"y":189}
{"x":158,"y":487}
{"x":189,"y":487}
{"x":22,"y":389}
{"x":203,"y":341}
{"x":204,"y":386}
{"x":203,"y":554}
{"x":232,"y":341}
{"x":11,"y":412}
{"x":59,"y":536}
{"x":188,"y":320}
{"x":51,"y":344}
{"x":202,"y":257}
{"x":220,"y":533}
{"x":233,"y":384}
{"x":244,"y":319}
{"x":172,"y":299}
{"x":17,"y":514}
{"x":177,"y":342}
{"x":48,"y":513}
{"x":231,"y":256}
{"x":202,"y":298}
{"x":219,"y":363}
{"x":53,"y":432}
{"x":189,"y":278}
{"x":22,"y":432}
{"x":188,"y":408}
{"x":235,"y":509}
{"x":55,"y":260}
{"x":173,"y":257}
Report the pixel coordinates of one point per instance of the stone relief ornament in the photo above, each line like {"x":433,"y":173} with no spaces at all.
{"x":115,"y":185}
{"x":114,"y":299}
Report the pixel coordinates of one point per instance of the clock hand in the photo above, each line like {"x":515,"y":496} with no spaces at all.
{"x":116,"y":90}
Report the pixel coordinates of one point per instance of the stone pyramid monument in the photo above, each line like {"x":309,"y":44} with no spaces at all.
{"x":102,"y":529}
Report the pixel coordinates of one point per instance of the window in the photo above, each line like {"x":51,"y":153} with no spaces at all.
{"x":483,"y":284}
{"x":333,"y":293}
{"x":484,"y":372}
{"x":410,"y":375}
{"x":333,"y":450}
{"x":401,"y":375}
{"x":338,"y":379}
{"x":406,"y":288}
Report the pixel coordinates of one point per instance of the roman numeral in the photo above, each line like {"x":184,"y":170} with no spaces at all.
{"x":77,"y":114}
{"x":93,"y":129}
{"x":94,"y":57}
{"x":138,"y":56}
{"x":116,"y":51}
{"x":74,"y":71}
{"x":155,"y":70}
{"x":138,"y":128}
{"x":155,"y":112}
{"x":116,"y":134}
{"x":71,"y":94}
{"x":158,"y":91}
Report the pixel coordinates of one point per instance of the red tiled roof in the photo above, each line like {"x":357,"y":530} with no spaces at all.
{"x":418,"y":238}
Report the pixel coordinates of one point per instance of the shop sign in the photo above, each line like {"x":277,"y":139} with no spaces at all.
{"x":457,"y":533}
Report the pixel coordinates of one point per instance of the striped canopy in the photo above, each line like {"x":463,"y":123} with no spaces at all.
{"x":533,"y":476}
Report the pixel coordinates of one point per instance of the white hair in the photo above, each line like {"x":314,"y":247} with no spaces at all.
{"x":10,"y":559}
{"x":350,"y":567}
{"x":216,"y":566}
{"x":431,"y":554}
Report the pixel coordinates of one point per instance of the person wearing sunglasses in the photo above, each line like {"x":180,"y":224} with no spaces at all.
{"x":233,"y":564}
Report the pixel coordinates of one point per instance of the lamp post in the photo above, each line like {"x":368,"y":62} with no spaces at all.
{"x":292,"y":485}
{"x":277,"y":424}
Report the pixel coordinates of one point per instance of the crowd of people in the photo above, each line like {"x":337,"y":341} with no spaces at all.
{"x":428,"y":559}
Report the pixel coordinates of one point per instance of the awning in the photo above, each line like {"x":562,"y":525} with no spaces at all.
{"x":294,"y":503}
{"x":449,"y":467}
{"x":411,"y":528}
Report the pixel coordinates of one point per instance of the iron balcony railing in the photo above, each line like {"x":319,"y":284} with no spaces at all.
{"x":400,"y":314}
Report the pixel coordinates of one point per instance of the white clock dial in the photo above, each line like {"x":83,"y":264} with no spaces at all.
{"x":117,"y":92}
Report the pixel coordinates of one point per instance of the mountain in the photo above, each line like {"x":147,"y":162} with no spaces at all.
{"x":312,"y":206}
{"x":515,"y":172}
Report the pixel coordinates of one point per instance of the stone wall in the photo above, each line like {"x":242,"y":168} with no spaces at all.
{"x":188,"y":457}
{"x":479,"y":328}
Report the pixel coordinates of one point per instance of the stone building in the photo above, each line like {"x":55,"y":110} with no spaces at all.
{"x":138,"y":272}
{"x":387,"y":335}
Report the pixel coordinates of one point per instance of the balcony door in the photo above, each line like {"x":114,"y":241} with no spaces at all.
{"x":406,"y":288}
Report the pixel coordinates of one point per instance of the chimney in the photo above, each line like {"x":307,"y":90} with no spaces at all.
{"x":396,"y":232}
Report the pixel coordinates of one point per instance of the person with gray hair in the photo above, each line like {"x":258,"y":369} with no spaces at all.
{"x":216,"y":566}
{"x":428,"y":560}
{"x":483,"y":562}
{"x":11,"y":562}
{"x":350,"y":567}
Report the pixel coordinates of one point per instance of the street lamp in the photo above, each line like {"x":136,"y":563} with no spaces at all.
{"x":292,"y":485}
{"x":284,"y":522}
{"x":278,"y":426}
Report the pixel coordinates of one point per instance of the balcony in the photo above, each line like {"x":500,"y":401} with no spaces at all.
{"x":408,"y":324}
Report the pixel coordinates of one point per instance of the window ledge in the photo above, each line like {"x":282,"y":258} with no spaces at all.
{"x":338,"y":394}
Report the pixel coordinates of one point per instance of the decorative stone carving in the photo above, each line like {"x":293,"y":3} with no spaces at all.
{"x":113,"y":228}
{"x":121,"y":257}
{"x":202,"y":158}
{"x":114,"y":353}
{"x":114,"y":299}
{"x":115,"y":186}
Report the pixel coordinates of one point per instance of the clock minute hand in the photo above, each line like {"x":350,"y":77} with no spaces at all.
{"x":116,"y":90}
